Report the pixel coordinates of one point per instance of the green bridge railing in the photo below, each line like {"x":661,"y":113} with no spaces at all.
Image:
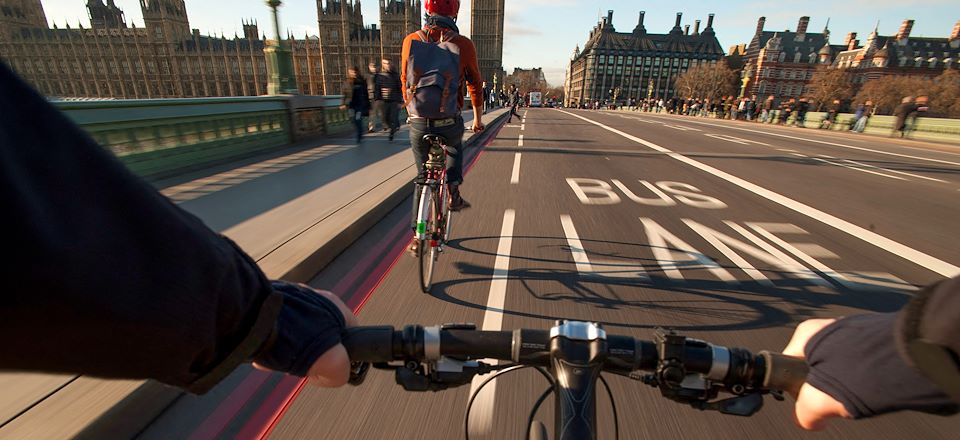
{"x":158,"y":138}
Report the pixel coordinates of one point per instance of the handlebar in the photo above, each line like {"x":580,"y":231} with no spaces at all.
{"x":572,"y":355}
{"x":671,"y":357}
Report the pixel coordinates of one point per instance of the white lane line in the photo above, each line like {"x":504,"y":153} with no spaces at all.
{"x":481,"y":419}
{"x":520,"y":141}
{"x":787,"y":150}
{"x":681,"y":128}
{"x":828,"y":143}
{"x":601,"y":268}
{"x":857,"y":168}
{"x":799,"y":155}
{"x":895,"y":171}
{"x":515,"y":175}
{"x":920,"y":258}
{"x":511,"y":125}
{"x":523,"y":126}
{"x":576,"y":247}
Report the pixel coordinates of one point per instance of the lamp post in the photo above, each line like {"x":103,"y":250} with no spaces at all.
{"x":282,"y":80}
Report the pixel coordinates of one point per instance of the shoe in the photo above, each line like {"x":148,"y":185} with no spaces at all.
{"x":414,"y":247}
{"x":391,"y":136}
{"x":457,"y":203}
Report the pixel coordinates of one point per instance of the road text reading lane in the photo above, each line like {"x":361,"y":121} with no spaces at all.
{"x":773,"y":245}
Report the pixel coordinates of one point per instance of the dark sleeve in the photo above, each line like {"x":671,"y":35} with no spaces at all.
{"x":857,"y":361}
{"x":928,"y":334}
{"x":108,"y":277}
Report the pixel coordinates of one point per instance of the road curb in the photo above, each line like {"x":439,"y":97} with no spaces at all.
{"x":397,"y":189}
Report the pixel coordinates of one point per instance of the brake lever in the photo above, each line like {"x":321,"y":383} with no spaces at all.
{"x":746,"y":405}
{"x":358,"y":372}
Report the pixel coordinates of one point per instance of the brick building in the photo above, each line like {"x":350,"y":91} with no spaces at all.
{"x":900,"y":54}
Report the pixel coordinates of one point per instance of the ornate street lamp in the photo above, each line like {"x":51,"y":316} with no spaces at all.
{"x":282,"y":80}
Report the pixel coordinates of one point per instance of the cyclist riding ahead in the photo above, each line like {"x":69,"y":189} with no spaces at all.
{"x":436,"y":64}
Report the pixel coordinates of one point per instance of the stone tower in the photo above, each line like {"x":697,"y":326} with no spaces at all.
{"x":18,"y":14}
{"x":105,"y":16}
{"x":338,"y":21}
{"x":398,"y":18}
{"x":486,"y":31}
{"x":166,"y":20}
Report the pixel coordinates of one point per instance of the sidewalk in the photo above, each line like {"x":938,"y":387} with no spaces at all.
{"x":919,"y":139}
{"x":293,"y":212}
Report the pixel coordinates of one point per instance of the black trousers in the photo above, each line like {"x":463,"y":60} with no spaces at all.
{"x":453,"y":135}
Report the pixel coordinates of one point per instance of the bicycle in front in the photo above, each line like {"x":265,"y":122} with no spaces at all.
{"x":433,"y":213}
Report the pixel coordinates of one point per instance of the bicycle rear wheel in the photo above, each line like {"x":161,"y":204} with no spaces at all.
{"x":429,"y":247}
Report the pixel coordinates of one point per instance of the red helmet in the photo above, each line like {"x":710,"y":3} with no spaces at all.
{"x":447,"y":8}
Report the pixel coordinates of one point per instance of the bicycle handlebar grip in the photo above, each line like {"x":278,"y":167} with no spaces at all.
{"x":369,"y":344}
{"x":785,"y":373}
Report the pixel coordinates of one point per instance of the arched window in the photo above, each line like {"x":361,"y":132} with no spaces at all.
{"x":812,"y":59}
{"x":796,"y":57}
{"x":933,"y":62}
{"x":917,"y":61}
{"x":783,"y":56}
{"x":903,"y":61}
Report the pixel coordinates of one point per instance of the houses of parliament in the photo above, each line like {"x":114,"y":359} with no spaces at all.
{"x":165,"y":58}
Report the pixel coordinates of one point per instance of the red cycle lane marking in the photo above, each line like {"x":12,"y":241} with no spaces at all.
{"x":214,"y":425}
{"x":283,"y":395}
{"x":272,"y":410}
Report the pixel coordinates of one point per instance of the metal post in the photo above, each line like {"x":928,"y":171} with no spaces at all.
{"x":282,"y":78}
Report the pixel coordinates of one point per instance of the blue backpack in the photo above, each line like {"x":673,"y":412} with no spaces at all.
{"x":433,"y":76}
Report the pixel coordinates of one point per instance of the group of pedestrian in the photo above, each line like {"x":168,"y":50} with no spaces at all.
{"x":377,"y":98}
{"x":906,"y":114}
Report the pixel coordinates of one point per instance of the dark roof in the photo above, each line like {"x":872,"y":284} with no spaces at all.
{"x":810,"y":41}
{"x":605,"y":38}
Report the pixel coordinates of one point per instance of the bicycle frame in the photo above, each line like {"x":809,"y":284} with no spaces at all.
{"x":435,"y":177}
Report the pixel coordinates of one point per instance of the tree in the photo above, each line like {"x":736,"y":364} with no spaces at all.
{"x":945,"y":94}
{"x":526,"y":80}
{"x":828,"y":85}
{"x":886,"y":92}
{"x":554,"y":93}
{"x":707,"y":81}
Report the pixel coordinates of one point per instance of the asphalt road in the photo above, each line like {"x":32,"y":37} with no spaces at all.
{"x":729,"y":232}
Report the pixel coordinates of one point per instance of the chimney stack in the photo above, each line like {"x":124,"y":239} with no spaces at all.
{"x":696,"y":27}
{"x":850,"y":37}
{"x":679,"y":17}
{"x":955,"y":35}
{"x":610,"y":17}
{"x":642,"y":13}
{"x":802,"y":25}
{"x":905,"y":29}
{"x":686,"y":29}
{"x":709,"y":21}
{"x":760,"y":24}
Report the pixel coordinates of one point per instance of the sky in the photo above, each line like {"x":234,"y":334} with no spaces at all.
{"x":544,"y":33}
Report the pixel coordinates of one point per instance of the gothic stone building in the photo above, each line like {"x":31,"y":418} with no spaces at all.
{"x":166,"y":59}
{"x":638,"y":64}
{"x":345,"y":42}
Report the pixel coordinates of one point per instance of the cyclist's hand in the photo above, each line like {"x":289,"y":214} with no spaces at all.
{"x":332,"y":368}
{"x":478,"y":126}
{"x":813,"y":407}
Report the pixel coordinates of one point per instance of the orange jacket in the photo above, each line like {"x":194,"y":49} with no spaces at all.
{"x":469,"y":69}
